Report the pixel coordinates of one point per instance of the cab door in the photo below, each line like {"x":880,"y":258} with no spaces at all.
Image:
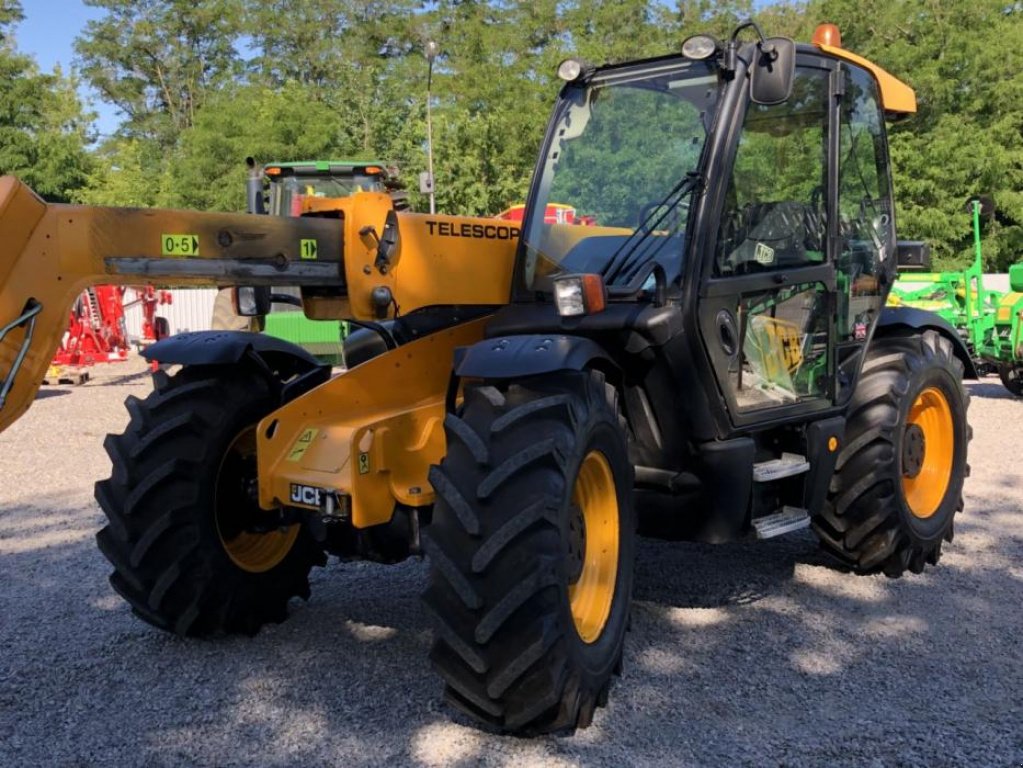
{"x":768,"y":298}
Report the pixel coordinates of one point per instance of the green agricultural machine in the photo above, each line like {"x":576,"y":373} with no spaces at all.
{"x":988,"y":321}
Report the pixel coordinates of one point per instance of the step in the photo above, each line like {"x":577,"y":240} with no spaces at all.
{"x":787,"y":520}
{"x":775,"y":469}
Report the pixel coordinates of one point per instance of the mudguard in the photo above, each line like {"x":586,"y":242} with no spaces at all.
{"x":911,"y":318}
{"x":513,"y":357}
{"x":225,"y":348}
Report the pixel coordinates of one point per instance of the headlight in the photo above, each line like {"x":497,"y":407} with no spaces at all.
{"x":571,"y":70}
{"x":251,"y":300}
{"x":576,"y":295}
{"x":699,"y":47}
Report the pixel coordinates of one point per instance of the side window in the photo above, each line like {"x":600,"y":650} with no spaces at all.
{"x":864,"y":206}
{"x":774,"y":213}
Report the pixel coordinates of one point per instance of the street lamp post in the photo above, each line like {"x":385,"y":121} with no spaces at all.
{"x":431,"y":51}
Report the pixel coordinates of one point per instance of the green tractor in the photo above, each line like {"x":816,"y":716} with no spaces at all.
{"x":987,"y":320}
{"x":286,"y":187}
{"x":293,"y":189}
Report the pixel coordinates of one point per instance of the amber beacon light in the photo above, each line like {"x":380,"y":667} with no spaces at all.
{"x":827,"y":34}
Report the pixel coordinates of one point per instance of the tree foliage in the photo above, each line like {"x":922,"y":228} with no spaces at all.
{"x":157,"y":60}
{"x":43,"y":127}
{"x":965,"y":60}
{"x":201,"y":85}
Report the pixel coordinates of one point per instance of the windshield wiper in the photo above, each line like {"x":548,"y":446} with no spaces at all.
{"x":629,"y":252}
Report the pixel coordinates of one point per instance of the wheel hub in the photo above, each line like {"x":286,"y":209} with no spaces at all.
{"x":249,"y":542}
{"x":928,"y":452}
{"x":913,"y":450}
{"x":576,"y":543}
{"x":593,"y":546}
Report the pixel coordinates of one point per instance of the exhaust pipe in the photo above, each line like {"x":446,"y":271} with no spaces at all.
{"x":254,"y":187}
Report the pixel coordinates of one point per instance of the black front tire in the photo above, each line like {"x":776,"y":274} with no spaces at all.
{"x":501,"y":549}
{"x":168,"y":501}
{"x":869,"y":521}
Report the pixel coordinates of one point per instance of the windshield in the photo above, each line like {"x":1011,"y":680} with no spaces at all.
{"x":284,"y":192}
{"x":621,"y":167}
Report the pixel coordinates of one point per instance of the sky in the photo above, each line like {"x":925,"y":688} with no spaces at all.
{"x":47,"y":34}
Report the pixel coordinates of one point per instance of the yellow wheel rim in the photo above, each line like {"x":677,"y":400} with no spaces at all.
{"x":595,"y":503}
{"x":252,"y":552}
{"x":928,"y":452}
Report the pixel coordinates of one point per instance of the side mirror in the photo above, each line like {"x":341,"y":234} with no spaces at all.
{"x":913,"y":256}
{"x":772,"y":71}
{"x":251,"y":300}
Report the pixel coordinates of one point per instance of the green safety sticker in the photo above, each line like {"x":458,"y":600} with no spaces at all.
{"x":302,"y":444}
{"x":179,"y":245}
{"x":307,"y":249}
{"x":363,"y":463}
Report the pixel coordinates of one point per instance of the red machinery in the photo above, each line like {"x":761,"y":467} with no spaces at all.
{"x":555,"y":213}
{"x":96,"y":330}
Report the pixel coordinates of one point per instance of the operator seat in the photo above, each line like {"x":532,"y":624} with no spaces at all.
{"x":771,"y":235}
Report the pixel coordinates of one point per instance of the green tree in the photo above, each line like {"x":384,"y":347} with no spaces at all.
{"x":207,"y":172}
{"x":43,"y":126}
{"x":122,"y":175}
{"x":157,"y":61}
{"x":965,"y":60}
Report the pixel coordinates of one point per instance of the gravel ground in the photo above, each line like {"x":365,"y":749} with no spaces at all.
{"x":747,"y":654}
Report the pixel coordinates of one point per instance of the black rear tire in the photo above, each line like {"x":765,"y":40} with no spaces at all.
{"x":872,"y":521}
{"x":179,"y":482}
{"x":509,"y":638}
{"x":1012,"y":378}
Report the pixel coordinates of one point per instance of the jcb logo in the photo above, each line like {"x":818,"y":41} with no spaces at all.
{"x":306,"y":495}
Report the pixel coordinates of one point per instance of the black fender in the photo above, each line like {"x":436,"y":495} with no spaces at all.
{"x":364,"y":344}
{"x":894,"y":320}
{"x":513,"y":357}
{"x":291,"y":368}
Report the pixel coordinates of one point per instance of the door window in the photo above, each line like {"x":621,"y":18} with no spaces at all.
{"x":774,"y":213}
{"x":864,"y":207}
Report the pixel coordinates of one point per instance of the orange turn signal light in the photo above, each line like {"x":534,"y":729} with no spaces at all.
{"x":272,"y":171}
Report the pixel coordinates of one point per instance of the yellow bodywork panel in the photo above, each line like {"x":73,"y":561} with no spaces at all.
{"x":441,"y":260}
{"x":896,"y":96}
{"x":370,"y":433}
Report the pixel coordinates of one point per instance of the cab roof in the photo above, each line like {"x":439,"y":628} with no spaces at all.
{"x":299,"y":167}
{"x":896,"y":97}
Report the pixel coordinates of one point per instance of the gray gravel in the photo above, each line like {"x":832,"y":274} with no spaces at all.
{"x":750,"y":654}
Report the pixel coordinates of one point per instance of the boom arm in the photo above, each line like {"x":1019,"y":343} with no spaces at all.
{"x":50,"y":253}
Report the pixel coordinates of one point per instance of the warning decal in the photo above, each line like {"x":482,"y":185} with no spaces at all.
{"x":179,"y":245}
{"x":307,"y":249}
{"x":302,"y":444}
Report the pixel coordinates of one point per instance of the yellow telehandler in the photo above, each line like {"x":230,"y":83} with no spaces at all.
{"x":709,"y":330}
